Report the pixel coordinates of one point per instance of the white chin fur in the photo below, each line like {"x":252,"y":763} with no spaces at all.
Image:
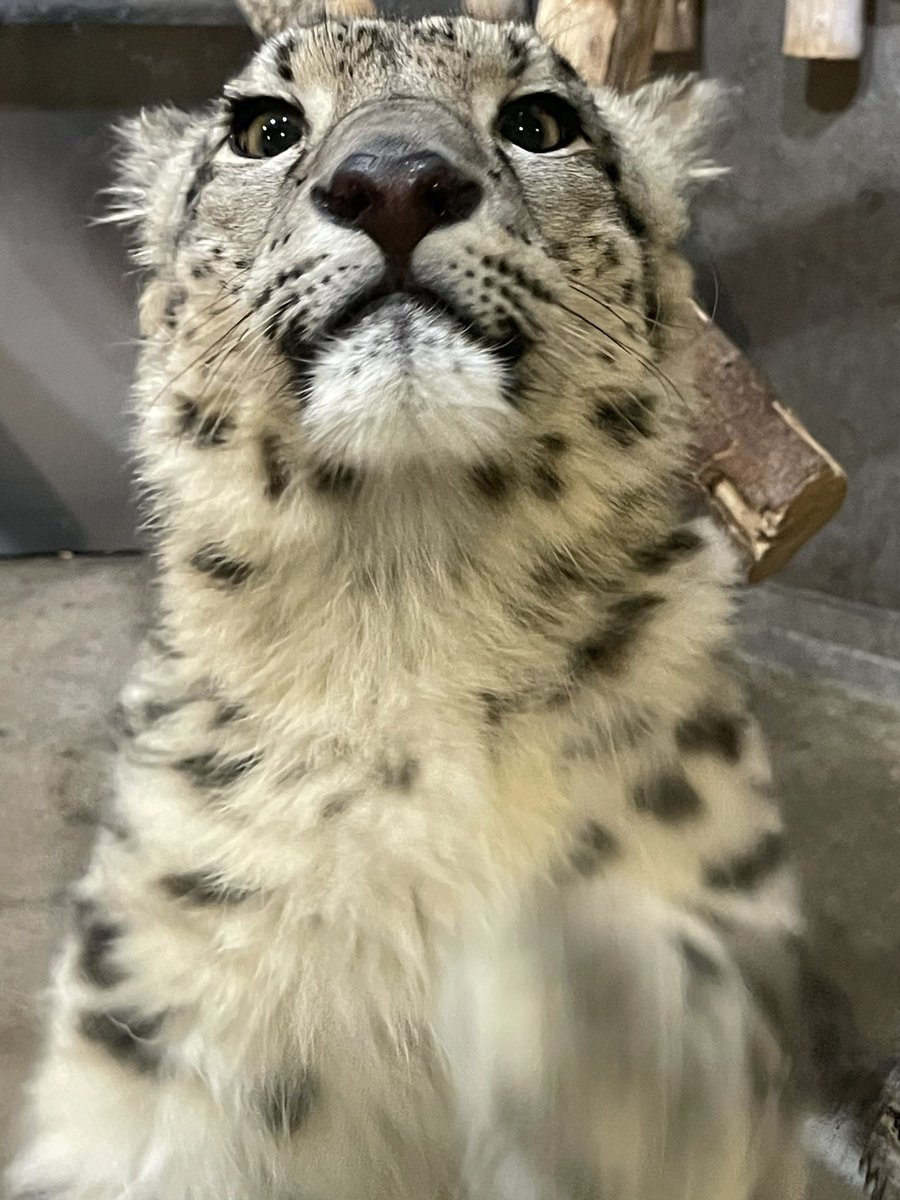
{"x":403,"y":387}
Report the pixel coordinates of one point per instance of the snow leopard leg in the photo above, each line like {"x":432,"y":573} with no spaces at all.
{"x":134,"y":1097}
{"x":635,"y":1033}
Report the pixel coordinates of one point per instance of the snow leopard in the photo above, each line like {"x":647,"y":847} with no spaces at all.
{"x":443,"y":861}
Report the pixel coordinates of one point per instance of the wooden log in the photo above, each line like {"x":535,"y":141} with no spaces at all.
{"x":768,"y":480}
{"x":268,"y":17}
{"x":676,"y":31}
{"x":824,"y":28}
{"x":606,"y":41}
{"x":496,"y":10}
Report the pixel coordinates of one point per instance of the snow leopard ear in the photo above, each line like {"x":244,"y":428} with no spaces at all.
{"x":269,"y":17}
{"x":685,"y":110}
{"x":680,"y":114}
{"x":662,"y":133}
{"x":154,"y":151}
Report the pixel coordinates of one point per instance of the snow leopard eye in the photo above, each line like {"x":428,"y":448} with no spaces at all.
{"x":263,"y":127}
{"x":539,"y":123}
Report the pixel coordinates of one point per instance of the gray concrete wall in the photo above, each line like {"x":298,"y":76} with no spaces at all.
{"x":803,"y":243}
{"x":804,"y":240}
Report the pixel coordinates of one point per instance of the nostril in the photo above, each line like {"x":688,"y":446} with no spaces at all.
{"x":346,"y":199}
{"x":453,"y":200}
{"x":397,"y":199}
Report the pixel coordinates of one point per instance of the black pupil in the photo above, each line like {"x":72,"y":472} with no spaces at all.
{"x":277,"y":133}
{"x":523,"y":127}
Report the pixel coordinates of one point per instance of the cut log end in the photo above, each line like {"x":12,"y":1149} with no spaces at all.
{"x":767,"y":479}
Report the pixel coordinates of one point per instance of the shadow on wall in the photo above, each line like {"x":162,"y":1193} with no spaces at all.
{"x":40,"y":521}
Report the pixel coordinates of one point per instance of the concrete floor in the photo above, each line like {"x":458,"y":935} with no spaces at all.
{"x":67,"y":631}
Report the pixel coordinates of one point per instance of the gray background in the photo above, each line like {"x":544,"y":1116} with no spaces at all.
{"x":801,"y":244}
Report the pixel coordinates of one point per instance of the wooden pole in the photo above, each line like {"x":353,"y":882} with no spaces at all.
{"x":824,"y":28}
{"x":676,"y":32}
{"x":496,"y":10}
{"x":606,"y":41}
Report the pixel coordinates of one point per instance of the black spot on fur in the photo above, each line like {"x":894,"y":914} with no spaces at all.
{"x":674,"y":547}
{"x":205,"y":172}
{"x":624,"y":417}
{"x":556,"y":570}
{"x":226,"y":714}
{"x":126,"y":1035}
{"x":283,"y":56}
{"x":546,"y":482}
{"x":98,"y":940}
{"x":212,"y":771}
{"x":491,"y":480}
{"x":174,"y":304}
{"x":207,"y":429}
{"x":701,"y":964}
{"x":156,"y":710}
{"x":712,"y":732}
{"x":216,"y":562}
{"x":668,"y":797}
{"x":286,"y":1103}
{"x":497,"y":707}
{"x":633,"y":220}
{"x":593,"y":850}
{"x":336,"y":804}
{"x":334,"y":479}
{"x":553,"y":443}
{"x":275,"y":469}
{"x":401,"y":776}
{"x":203,"y":890}
{"x":625,"y":621}
{"x":747,"y":871}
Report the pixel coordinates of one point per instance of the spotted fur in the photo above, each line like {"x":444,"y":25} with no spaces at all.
{"x":440,"y":832}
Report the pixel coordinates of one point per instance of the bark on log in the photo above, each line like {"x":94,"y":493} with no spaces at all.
{"x":771,"y":483}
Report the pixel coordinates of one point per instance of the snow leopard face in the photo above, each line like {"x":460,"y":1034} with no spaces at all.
{"x":398,"y":247}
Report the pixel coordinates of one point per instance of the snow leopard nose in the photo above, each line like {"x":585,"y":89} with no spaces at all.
{"x":397,"y":199}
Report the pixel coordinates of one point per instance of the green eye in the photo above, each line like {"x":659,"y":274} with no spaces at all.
{"x":539,"y":123}
{"x":263,"y":128}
